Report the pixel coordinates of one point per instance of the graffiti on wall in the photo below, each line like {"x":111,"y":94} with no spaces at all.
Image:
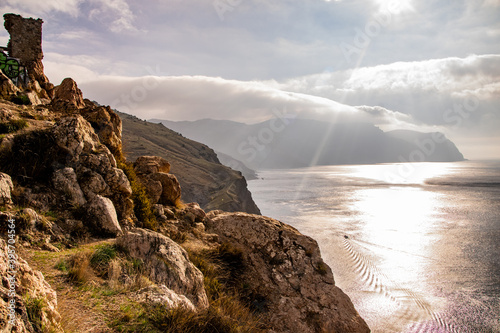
{"x":11,"y":67}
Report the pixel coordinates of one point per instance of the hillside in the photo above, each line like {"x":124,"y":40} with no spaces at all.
{"x":203,"y":179}
{"x":295,"y":143}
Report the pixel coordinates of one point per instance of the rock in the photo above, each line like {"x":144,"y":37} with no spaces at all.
{"x":65,"y":181}
{"x":6,"y":187}
{"x":67,"y":95}
{"x":106,"y":124}
{"x":103,"y":215}
{"x":285,"y":268}
{"x":75,"y":136}
{"x":30,"y":286}
{"x":194,"y":210}
{"x":7,"y":87}
{"x":171,"y":189}
{"x":118,"y":181}
{"x":151,"y":164}
{"x":166,"y":263}
{"x":154,"y":188}
{"x":93,"y":183}
{"x":163,"y":295}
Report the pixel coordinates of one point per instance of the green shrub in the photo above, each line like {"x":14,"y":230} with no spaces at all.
{"x":21,"y":100}
{"x":101,"y":257}
{"x":13,"y":125}
{"x":142,"y":204}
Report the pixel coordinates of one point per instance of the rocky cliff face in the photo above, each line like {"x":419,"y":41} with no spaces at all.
{"x":196,"y":166}
{"x":64,"y":181}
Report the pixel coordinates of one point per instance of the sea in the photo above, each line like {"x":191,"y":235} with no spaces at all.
{"x":416,"y":246}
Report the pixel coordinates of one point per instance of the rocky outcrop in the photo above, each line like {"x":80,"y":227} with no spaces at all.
{"x":6,"y":187}
{"x":285,"y":269}
{"x":166,"y":263}
{"x":201,"y":176}
{"x":145,"y":165}
{"x":68,"y":96}
{"x":106,"y":123}
{"x":162,"y":187}
{"x":32,"y":295}
{"x":26,"y":44}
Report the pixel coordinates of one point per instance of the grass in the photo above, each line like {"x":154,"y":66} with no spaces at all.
{"x":34,"y":309}
{"x":13,"y":126}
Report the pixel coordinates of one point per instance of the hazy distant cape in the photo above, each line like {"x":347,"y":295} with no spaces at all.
{"x":295,"y":143}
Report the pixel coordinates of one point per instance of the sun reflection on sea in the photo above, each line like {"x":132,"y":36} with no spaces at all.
{"x":398,"y":173}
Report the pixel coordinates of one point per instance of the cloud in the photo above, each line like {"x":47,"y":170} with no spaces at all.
{"x":40,"y":8}
{"x":426,"y":90}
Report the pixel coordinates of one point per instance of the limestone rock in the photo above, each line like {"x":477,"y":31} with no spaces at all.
{"x":171,"y":189}
{"x":75,"y":135}
{"x":106,"y":124}
{"x":166,"y":263}
{"x":30,"y":285}
{"x":66,"y":182}
{"x":6,"y":187}
{"x":151,"y":164}
{"x":103,"y":214}
{"x":7,"y":87}
{"x":285,"y":268}
{"x":163,"y":295}
{"x":93,"y":183}
{"x":118,"y":181}
{"x":68,"y":95}
{"x":194,"y":210}
{"x":154,"y":188}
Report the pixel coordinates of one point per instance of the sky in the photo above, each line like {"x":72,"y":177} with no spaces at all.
{"x":407,"y":64}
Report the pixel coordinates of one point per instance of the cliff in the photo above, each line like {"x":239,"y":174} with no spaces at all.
{"x":93,"y":242}
{"x":203,"y":178}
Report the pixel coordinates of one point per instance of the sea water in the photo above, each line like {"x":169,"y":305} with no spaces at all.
{"x":415,"y":246}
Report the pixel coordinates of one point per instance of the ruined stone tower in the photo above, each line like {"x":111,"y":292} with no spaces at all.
{"x":26,"y":44}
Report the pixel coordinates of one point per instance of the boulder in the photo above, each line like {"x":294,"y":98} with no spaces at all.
{"x":151,"y":164}
{"x":93,"y":183}
{"x":6,"y":187}
{"x":103,"y":215}
{"x":166,"y":263}
{"x":30,"y":287}
{"x":67,"y":95}
{"x":118,"y":181}
{"x":75,"y":136}
{"x":7,"y":87}
{"x":171,"y":189}
{"x":65,"y":181}
{"x":163,"y":295}
{"x":154,"y":188}
{"x":285,"y":270}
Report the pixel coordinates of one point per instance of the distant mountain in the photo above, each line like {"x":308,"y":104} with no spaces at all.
{"x":202,"y":177}
{"x":294,"y":143}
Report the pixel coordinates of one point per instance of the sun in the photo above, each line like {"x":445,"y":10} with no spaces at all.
{"x":395,"y":7}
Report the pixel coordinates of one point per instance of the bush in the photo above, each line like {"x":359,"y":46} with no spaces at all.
{"x":13,"y":125}
{"x":21,"y":100}
{"x":142,"y":204}
{"x":101,"y":258}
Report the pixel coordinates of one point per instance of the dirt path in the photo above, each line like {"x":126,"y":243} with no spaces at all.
{"x":80,"y":310}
